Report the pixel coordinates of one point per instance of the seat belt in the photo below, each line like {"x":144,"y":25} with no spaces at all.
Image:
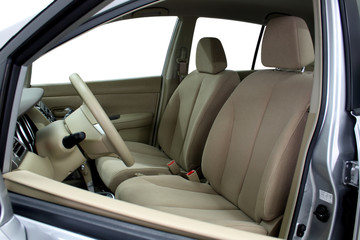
{"x":173,"y":167}
{"x":192,"y":176}
{"x":175,"y":170}
{"x":182,"y":62}
{"x":86,"y":173}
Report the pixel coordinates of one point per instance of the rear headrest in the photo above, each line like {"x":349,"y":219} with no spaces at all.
{"x":287,"y":44}
{"x":210,"y":56}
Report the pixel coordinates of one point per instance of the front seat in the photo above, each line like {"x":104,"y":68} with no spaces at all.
{"x":185,"y":123}
{"x":252,"y":149}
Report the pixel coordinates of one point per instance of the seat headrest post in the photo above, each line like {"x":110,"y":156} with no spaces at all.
{"x":210,"y":56}
{"x":287,"y":44}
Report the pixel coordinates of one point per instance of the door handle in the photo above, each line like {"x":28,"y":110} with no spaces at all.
{"x":62,"y":112}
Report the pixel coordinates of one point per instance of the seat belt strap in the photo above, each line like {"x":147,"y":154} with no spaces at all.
{"x":182,"y":62}
{"x":86,"y":173}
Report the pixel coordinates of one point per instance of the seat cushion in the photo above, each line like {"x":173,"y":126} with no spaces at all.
{"x":148,"y":161}
{"x":174,"y":194}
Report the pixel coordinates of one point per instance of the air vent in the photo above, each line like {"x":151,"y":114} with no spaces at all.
{"x":18,"y":148}
{"x":24,"y":140}
{"x":25,"y":134}
{"x":19,"y":151}
{"x":45,"y":111}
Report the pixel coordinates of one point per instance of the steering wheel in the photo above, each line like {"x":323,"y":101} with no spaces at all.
{"x":101,"y":117}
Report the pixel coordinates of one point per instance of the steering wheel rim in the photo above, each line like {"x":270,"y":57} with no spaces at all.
{"x":101,"y":117}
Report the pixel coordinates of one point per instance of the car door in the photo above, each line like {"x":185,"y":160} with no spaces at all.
{"x":122,"y":62}
{"x":327,"y":206}
{"x":13,"y":62}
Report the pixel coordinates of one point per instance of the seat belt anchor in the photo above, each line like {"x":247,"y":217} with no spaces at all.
{"x":193,"y":176}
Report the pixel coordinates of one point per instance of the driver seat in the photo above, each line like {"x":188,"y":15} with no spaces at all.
{"x":185,"y":123}
{"x":253,"y":145}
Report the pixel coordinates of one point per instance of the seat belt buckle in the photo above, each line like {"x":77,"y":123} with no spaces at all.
{"x":193,"y":176}
{"x":173,"y":167}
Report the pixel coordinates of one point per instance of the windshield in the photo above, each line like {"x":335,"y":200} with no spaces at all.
{"x":15,"y":14}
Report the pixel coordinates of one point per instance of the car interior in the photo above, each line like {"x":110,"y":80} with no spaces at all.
{"x":216,"y":146}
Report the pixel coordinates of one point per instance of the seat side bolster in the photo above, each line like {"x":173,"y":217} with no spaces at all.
{"x":275,"y":184}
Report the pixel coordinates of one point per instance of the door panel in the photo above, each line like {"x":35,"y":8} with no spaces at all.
{"x":132,"y":103}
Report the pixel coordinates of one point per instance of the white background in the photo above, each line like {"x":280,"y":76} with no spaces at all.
{"x":115,"y":51}
{"x":13,"y":11}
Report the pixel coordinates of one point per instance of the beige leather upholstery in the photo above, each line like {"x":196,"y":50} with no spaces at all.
{"x":186,"y":121}
{"x":252,"y":148}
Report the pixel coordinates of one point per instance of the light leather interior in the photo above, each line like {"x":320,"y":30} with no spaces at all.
{"x":186,"y":120}
{"x":252,"y":148}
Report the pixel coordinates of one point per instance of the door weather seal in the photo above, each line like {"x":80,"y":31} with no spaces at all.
{"x":356,"y":114}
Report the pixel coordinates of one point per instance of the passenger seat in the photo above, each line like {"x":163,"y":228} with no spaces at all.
{"x":185,"y":123}
{"x":252,"y":148}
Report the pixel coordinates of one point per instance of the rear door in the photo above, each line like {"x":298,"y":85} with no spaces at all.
{"x":33,"y":220}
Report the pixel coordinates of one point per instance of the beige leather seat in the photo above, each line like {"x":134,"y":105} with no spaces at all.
{"x":186,"y":121}
{"x":252,"y":148}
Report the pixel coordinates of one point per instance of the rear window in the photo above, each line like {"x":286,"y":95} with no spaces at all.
{"x":239,"y":40}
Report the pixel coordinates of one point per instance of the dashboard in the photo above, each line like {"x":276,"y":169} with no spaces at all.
{"x":51,"y":147}
{"x":25,"y":132}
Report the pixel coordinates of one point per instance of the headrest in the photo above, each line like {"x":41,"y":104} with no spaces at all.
{"x":287,"y":44}
{"x":210,"y":56}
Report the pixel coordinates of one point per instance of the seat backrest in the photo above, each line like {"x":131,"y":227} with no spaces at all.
{"x":253,"y":145}
{"x":192,"y":108}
